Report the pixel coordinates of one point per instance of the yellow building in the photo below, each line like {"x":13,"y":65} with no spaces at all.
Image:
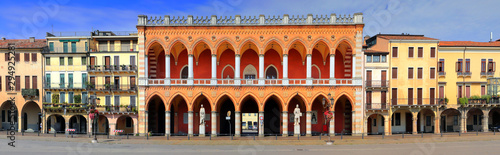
{"x":26,"y":87}
{"x":249,"y":122}
{"x":113,"y":78}
{"x":464,"y":68}
{"x":65,"y":81}
{"x":412,"y":61}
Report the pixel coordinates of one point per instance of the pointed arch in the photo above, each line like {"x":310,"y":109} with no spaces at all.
{"x":230,"y":45}
{"x":269,"y":96}
{"x":199,"y":46}
{"x":323,"y":46}
{"x":155,"y":41}
{"x":347,"y":95}
{"x":300,"y":95}
{"x":244,"y":97}
{"x":175,"y":95}
{"x":152,"y":95}
{"x":319,"y":94}
{"x":299,"y":45}
{"x":197,"y":96}
{"x":269,"y":44}
{"x":242,"y":47}
{"x":344,"y":39}
{"x":174,"y":45}
{"x":218,"y":102}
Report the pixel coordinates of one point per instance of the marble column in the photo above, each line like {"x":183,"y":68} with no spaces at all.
{"x":190,"y":69}
{"x":146,"y":69}
{"x":261,"y":69}
{"x":332,"y":68}
{"x":214,"y":69}
{"x":285,"y":123}
{"x":167,"y":66}
{"x":332,"y":124}
{"x":214,"y":124}
{"x":237,"y":69}
{"x":190,"y":123}
{"x":387,"y":125}
{"x":308,"y":69}
{"x":308,"y":123}
{"x":485,"y":122}
{"x":237,"y":123}
{"x":285,"y":69}
{"x":167,"y":123}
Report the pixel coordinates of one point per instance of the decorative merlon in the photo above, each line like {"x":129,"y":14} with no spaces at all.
{"x":333,"y":19}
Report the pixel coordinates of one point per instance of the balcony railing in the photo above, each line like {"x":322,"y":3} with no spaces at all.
{"x":68,"y":34}
{"x":487,"y":74}
{"x":68,"y":50}
{"x":64,"y":85}
{"x":247,"y":82}
{"x":110,"y":68}
{"x":415,"y":101}
{"x":109,"y":87}
{"x":110,"y":108}
{"x":30,"y":92}
{"x":442,"y":73}
{"x":377,"y":83}
{"x":376,"y":106}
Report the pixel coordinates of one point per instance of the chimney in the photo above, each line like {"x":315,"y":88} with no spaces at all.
{"x":366,"y":38}
{"x":32,"y":39}
{"x":491,"y":37}
{"x":3,"y":38}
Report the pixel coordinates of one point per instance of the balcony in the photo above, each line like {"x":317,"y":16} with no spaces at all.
{"x":30,"y":93}
{"x":112,"y":88}
{"x":112,"y":68}
{"x":487,"y":74}
{"x":376,"y":106}
{"x":250,"y":82}
{"x":380,"y":84}
{"x":69,"y":50}
{"x":68,"y":34}
{"x":415,"y":101}
{"x":442,"y":74}
{"x":64,"y":86}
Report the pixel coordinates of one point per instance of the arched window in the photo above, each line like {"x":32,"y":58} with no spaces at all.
{"x":315,"y":72}
{"x":184,"y":72}
{"x":271,"y":72}
{"x":249,"y":72}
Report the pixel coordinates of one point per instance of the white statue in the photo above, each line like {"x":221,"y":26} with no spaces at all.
{"x":297,"y":115}
{"x":202,"y":115}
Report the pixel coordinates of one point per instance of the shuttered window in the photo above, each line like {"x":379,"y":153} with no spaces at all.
{"x":410,"y":73}
{"x":410,"y":96}
{"x":410,"y":52}
{"x":18,"y":83}
{"x":432,"y":73}
{"x":395,"y":73}
{"x":27,"y":82}
{"x":35,"y":82}
{"x":420,"y":52}
{"x":394,"y":52}
{"x":18,"y":57}
{"x":33,"y":57}
{"x":420,"y":73}
{"x":26,"y":57}
{"x":433,"y":52}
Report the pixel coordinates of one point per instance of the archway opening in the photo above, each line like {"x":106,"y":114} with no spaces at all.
{"x":343,"y":115}
{"x":375,"y":124}
{"x":494,"y":118}
{"x":156,"y":61}
{"x":249,"y":116}
{"x":6,"y":113}
{"x":156,"y":116}
{"x":184,"y":72}
{"x":224,"y":105}
{"x":343,"y":61}
{"x":296,"y":100}
{"x":197,"y":105}
{"x":125,"y":123}
{"x":31,"y":117}
{"x":319,"y":124}
{"x":450,"y":120}
{"x":425,"y":121}
{"x":402,"y":122}
{"x":79,"y":123}
{"x":474,"y":120}
{"x":272,"y":116}
{"x":179,"y":116}
{"x":103,"y":125}
{"x":203,"y":61}
{"x":56,"y":123}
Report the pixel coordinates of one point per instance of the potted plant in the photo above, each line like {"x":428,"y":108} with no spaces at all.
{"x":107,"y":86}
{"x":124,"y":67}
{"x":486,"y":98}
{"x":131,"y":67}
{"x":97,"y":67}
{"x":464,"y":101}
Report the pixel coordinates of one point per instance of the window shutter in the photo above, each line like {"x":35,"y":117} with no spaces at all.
{"x":410,"y":52}
{"x":433,"y":73}
{"x":33,"y":57}
{"x":26,"y":57}
{"x":27,"y":82}
{"x":35,"y":82}
{"x":456,"y":67}
{"x":420,"y":52}
{"x":18,"y":57}
{"x":6,"y":56}
{"x":395,"y":52}
{"x":494,"y":66}
{"x":433,"y":52}
{"x":394,"y":73}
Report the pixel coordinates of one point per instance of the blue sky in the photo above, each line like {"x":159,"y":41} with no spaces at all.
{"x":442,"y":19}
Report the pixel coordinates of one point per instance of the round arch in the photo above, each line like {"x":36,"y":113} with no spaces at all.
{"x":79,"y":123}
{"x":448,"y":117}
{"x":125,"y":123}
{"x":56,"y":123}
{"x":375,"y":124}
{"x":31,"y":117}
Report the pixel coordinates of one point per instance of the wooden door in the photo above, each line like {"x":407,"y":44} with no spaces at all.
{"x":368,"y":78}
{"x":432,"y":98}
{"x":384,"y":78}
{"x":410,"y":96}
{"x":419,"y":96}
{"x":107,"y":62}
{"x":394,"y":96}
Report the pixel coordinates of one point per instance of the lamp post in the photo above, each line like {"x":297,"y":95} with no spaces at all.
{"x":328,"y":115}
{"x":94,"y":115}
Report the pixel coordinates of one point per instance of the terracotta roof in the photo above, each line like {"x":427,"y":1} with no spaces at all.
{"x":373,"y":51}
{"x":405,"y":37}
{"x":469,"y":43}
{"x":24,"y":43}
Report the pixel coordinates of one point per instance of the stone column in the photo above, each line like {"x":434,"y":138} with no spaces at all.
{"x":190,"y":123}
{"x":167,"y":123}
{"x":285,"y":123}
{"x":112,"y":128}
{"x":308,"y":123}
{"x":214,"y":123}
{"x":414,"y":124}
{"x":308,"y":69}
{"x":237,"y":68}
{"x":332,"y":124}
{"x":365,"y":124}
{"x":285,"y":69}
{"x":190,"y":69}
{"x":237,"y":123}
{"x":387,"y":125}
{"x":261,"y":69}
{"x":353,"y":65}
{"x":485,"y":122}
{"x":214,"y":69}
{"x":332,"y":68}
{"x":67,"y":127}
{"x":261,"y":124}
{"x":437,"y":130}
{"x":167,"y":66}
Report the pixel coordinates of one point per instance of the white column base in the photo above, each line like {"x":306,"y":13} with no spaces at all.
{"x":202,"y":130}
{"x":296,"y":130}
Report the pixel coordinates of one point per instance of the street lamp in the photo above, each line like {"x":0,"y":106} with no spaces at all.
{"x":94,"y":115}
{"x":328,"y":115}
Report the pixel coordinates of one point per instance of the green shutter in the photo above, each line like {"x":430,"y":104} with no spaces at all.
{"x":51,"y":45}
{"x":65,"y":47}
{"x":73,"y":47}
